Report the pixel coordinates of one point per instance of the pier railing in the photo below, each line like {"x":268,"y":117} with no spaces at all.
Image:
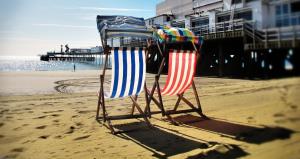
{"x":219,"y":27}
{"x":272,"y":37}
{"x":261,"y":38}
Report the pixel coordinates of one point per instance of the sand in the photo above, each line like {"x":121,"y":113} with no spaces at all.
{"x":52,"y":115}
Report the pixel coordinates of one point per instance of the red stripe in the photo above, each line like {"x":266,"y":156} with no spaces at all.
{"x":191,"y":72}
{"x":169,"y":71}
{"x":175,"y":72}
{"x":187,"y":75}
{"x":181,"y":73}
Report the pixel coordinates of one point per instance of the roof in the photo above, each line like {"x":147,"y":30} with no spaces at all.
{"x":171,"y":34}
{"x":121,"y":26}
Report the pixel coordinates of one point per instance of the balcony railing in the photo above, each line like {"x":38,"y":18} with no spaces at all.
{"x":219,"y":27}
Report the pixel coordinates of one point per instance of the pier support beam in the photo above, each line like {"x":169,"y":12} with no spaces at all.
{"x":221,"y":60}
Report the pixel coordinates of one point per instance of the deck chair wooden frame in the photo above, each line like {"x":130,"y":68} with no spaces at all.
{"x":134,"y":97}
{"x":126,"y":69}
{"x":163,"y":50}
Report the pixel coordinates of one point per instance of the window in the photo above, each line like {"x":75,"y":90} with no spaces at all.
{"x":223,"y":18}
{"x":236,"y":1}
{"x":250,"y":1}
{"x":295,"y":7}
{"x":244,"y":15}
{"x":285,"y":8}
{"x":278,"y":10}
{"x":278,"y":23}
{"x":284,"y":16}
{"x":294,"y":21}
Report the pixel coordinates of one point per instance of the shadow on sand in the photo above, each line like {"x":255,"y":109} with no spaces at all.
{"x":164,"y":144}
{"x":237,"y":131}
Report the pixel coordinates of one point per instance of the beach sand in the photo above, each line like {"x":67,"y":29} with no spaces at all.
{"x":52,"y":115}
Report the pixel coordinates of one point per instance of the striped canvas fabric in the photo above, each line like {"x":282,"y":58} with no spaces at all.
{"x":128,"y":72}
{"x":169,"y":34}
{"x":182,"y":65}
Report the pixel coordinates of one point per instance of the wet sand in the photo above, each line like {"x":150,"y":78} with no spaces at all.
{"x":56,"y":119}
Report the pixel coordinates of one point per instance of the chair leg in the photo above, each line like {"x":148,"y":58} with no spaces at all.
{"x":147,"y":109}
{"x":178,"y":101}
{"x":133,"y":105}
{"x":159,"y":97}
{"x":151,"y":93}
{"x":198,"y":100}
{"x":111,"y":128}
{"x":102,"y":98}
{"x":196,"y":96}
{"x":98,"y":106}
{"x":141,"y":111}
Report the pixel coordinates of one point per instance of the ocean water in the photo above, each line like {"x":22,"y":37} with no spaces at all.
{"x":33,"y":63}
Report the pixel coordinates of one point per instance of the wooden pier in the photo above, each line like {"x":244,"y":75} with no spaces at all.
{"x":238,"y":49}
{"x":95,"y":57}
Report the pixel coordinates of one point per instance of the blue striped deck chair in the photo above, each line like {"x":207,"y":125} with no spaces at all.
{"x":128,"y":75}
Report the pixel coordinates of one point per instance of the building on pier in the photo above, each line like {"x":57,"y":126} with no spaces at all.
{"x":242,"y":37}
{"x":76,"y":55}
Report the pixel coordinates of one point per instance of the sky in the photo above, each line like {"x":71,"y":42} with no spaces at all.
{"x":32,"y":27}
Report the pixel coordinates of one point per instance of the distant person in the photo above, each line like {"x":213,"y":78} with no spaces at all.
{"x":61,"y":49}
{"x":74,"y":67}
{"x":67,"y":48}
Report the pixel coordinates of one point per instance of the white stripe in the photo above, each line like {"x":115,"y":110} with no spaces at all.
{"x":144,"y":72}
{"x":137,"y":69}
{"x":112,"y":74}
{"x":128,"y":53}
{"x":185,"y":72}
{"x":178,"y":73}
{"x":120,"y":73}
{"x":192,"y":70}
{"x":172,"y":72}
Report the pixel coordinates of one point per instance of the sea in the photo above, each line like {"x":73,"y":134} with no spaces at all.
{"x":33,"y":63}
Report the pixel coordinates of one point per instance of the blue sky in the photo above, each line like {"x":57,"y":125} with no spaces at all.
{"x":31,"y":27}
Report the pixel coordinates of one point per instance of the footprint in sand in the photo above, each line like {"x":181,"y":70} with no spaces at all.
{"x":86,"y":111}
{"x":18,"y":128}
{"x":56,"y":121}
{"x":58,"y":137}
{"x":1,"y":136}
{"x":294,"y":106}
{"x":44,"y":136}
{"x":278,"y":115}
{"x":40,"y":117}
{"x":82,"y":137}
{"x":74,"y":116}
{"x":55,"y":115}
{"x":21,"y":149}
{"x":71,"y":130}
{"x":1,"y":124}
{"x":3,"y":111}
{"x":47,"y":112}
{"x":25,"y":125}
{"x":41,"y":127}
{"x":79,"y":124}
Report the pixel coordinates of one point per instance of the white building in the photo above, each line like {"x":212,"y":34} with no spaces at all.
{"x":193,"y":13}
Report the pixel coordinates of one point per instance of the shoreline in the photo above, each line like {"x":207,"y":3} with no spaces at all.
{"x":38,"y":82}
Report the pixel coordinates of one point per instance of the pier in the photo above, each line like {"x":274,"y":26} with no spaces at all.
{"x":239,"y":48}
{"x":95,"y":57}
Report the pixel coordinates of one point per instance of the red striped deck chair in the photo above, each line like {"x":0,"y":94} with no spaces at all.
{"x":181,"y":70}
{"x":128,"y":69}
